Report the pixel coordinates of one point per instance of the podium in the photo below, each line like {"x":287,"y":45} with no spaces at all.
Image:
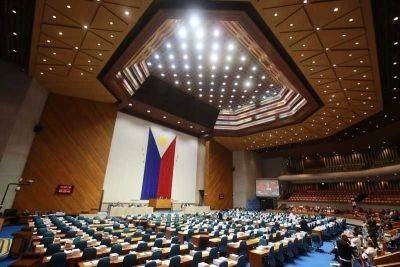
{"x":160,"y":203}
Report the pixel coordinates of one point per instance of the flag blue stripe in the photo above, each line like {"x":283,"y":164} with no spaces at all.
{"x":151,"y":169}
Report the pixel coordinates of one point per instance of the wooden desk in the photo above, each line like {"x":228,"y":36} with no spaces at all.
{"x":200,"y":241}
{"x":256,"y":257}
{"x":160,"y":203}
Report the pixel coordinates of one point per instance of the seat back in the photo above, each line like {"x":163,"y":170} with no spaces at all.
{"x":158,"y":243}
{"x":89,"y":254}
{"x":197,"y":258}
{"x":175,"y":250}
{"x":175,"y":261}
{"x":141,"y":247}
{"x":53,"y":248}
{"x":117,"y":248}
{"x":104,"y":262}
{"x":58,"y":259}
{"x":213,"y":254}
{"x":129,"y":260}
{"x":156,"y":255}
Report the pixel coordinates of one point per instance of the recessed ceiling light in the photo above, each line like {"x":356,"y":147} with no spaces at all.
{"x":14,"y":11}
{"x":15,"y":51}
{"x":85,"y":26}
{"x":395,"y":18}
{"x":60,"y":33}
{"x":54,"y":16}
{"x":41,"y":73}
{"x":15,"y":34}
{"x":48,"y":41}
{"x":127,"y":13}
{"x":291,"y":24}
{"x":276,"y":14}
{"x":336,"y":9}
{"x":111,"y":23}
{"x":68,"y":6}
{"x":351,"y":19}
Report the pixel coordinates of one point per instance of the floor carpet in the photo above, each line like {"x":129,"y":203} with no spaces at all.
{"x":315,"y":258}
{"x":7,"y":232}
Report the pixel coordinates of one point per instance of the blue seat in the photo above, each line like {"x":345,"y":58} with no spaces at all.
{"x":46,"y":241}
{"x":58,"y":259}
{"x":89,"y":254}
{"x":270,"y":258}
{"x":81,"y":244}
{"x":158,"y":243}
{"x":128,"y":239}
{"x":117,"y":248}
{"x":151,"y":264}
{"x":156,"y":255}
{"x":213,"y":254}
{"x":242,"y":248}
{"x":146,"y":238}
{"x":160,"y":235}
{"x":48,"y":234}
{"x":129,"y":260}
{"x":104,"y":262}
{"x":142,"y":246}
{"x":98,"y":236}
{"x":53,"y":248}
{"x":197,"y":258}
{"x":316,"y":242}
{"x":241,"y":262}
{"x":106,"y":242}
{"x":263,"y":241}
{"x":175,"y":250}
{"x":289,"y":251}
{"x":70,"y":234}
{"x":279,"y":256}
{"x":175,"y":240}
{"x":174,"y":261}
{"x":223,"y":246}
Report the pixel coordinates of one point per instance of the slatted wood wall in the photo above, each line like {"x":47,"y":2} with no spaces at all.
{"x":218,"y":179}
{"x":72,"y":148}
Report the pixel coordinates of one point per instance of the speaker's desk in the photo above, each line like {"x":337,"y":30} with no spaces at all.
{"x":160,"y":203}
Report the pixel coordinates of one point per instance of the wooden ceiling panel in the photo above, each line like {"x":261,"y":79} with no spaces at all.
{"x":81,"y":12}
{"x":52,"y":16}
{"x":86,"y":60}
{"x":353,"y":18}
{"x":107,"y":20}
{"x":324,"y":12}
{"x":93,"y":42}
{"x":71,"y":36}
{"x":83,"y":25}
{"x":333,"y":38}
{"x":295,"y":22}
{"x":59,"y":55}
{"x":49,"y":41}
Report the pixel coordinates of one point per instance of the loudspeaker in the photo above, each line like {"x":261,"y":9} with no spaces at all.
{"x":38,"y":128}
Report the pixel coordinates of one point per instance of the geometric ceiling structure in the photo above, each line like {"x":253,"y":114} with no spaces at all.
{"x":250,"y":75}
{"x":333,"y":43}
{"x":217,"y":61}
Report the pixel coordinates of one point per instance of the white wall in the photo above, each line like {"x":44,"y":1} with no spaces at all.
{"x":126,"y":162}
{"x":17,"y":148}
{"x":247,"y":169}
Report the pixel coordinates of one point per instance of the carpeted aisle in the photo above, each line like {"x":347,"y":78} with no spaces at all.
{"x":315,"y":259}
{"x":7,"y":232}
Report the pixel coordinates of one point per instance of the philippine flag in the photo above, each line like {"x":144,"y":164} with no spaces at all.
{"x":158,"y":170}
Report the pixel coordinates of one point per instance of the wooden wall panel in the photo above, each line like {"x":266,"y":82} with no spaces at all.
{"x":218,"y":176}
{"x":72,"y":148}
